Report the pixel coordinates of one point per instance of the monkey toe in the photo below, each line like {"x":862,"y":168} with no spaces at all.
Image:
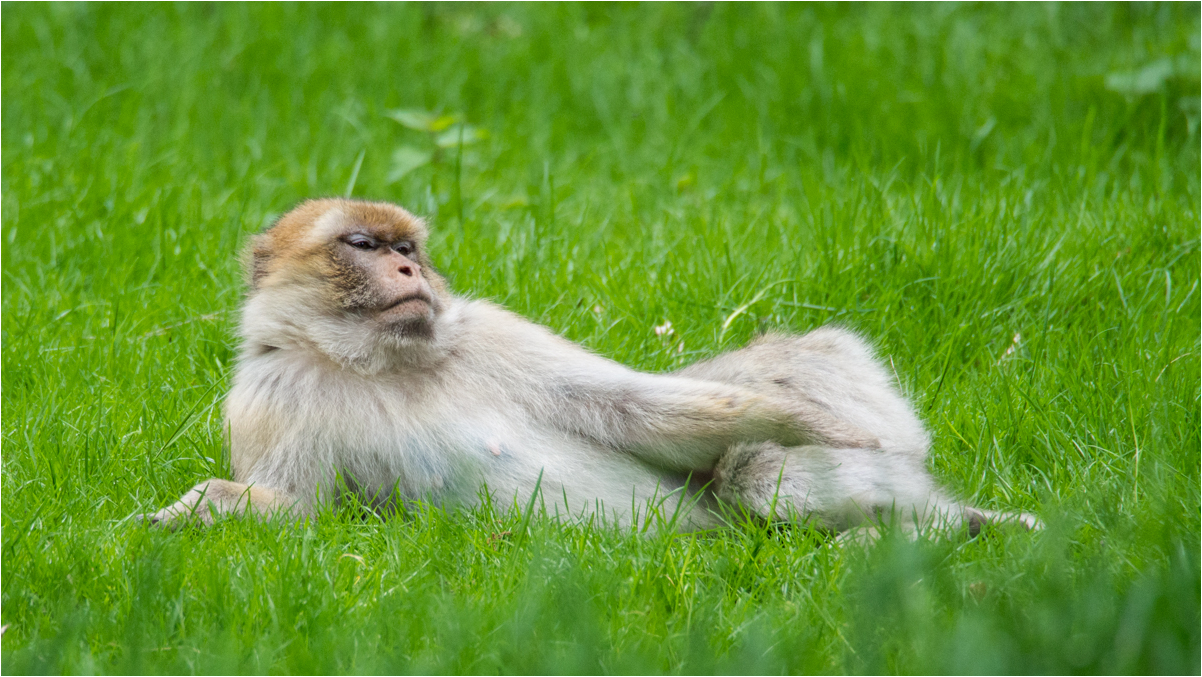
{"x":1026,"y":520}
{"x":975,"y":521}
{"x":154,"y":520}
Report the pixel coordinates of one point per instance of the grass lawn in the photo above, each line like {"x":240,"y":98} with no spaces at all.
{"x":1004,"y":198}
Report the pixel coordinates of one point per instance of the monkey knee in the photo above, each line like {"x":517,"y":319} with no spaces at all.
{"x":835,"y":341}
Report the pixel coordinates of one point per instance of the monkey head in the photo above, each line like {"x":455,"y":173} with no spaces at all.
{"x":345,"y":271}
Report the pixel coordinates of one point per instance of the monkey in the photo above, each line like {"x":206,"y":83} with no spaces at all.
{"x":360,"y":372}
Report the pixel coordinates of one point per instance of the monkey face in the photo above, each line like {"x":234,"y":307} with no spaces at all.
{"x":364,"y":261}
{"x":381,"y":279}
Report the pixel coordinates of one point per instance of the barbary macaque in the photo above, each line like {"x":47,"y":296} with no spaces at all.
{"x":359,"y":371}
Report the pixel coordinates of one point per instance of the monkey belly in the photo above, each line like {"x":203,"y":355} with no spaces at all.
{"x":569,"y":478}
{"x":575,"y":478}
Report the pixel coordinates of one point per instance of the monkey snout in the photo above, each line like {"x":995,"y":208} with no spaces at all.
{"x":404,"y":265}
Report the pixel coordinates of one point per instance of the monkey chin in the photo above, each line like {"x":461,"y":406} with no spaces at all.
{"x":412,"y":319}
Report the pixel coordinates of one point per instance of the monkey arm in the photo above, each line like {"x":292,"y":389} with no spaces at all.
{"x":685,"y":423}
{"x":676,"y":423}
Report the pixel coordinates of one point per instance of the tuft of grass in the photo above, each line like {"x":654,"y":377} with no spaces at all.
{"x":1005,"y":198}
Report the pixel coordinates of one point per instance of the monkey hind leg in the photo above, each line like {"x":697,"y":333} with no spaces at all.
{"x":839,"y":489}
{"x":834,"y":488}
{"x":833,"y":382}
{"x":214,"y":498}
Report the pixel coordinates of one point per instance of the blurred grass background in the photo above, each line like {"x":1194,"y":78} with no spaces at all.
{"x":1004,"y":197}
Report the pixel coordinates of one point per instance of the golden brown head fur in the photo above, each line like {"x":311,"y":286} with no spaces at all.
{"x":365,"y":307}
{"x":298,"y":242}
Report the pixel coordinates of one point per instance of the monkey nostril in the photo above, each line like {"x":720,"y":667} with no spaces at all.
{"x":407,"y":271}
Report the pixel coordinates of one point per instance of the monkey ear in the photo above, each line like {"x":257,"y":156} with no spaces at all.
{"x":260,"y":257}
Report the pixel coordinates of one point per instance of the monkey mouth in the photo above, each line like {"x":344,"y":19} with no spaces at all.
{"x":409,"y":298}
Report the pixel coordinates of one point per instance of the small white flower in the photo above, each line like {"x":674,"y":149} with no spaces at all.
{"x":1014,"y":343}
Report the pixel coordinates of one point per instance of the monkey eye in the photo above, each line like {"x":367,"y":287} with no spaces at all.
{"x":404,"y":248}
{"x":360,"y":242}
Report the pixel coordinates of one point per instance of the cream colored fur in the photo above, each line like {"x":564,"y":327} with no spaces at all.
{"x":792,"y":427}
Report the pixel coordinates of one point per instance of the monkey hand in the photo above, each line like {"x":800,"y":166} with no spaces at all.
{"x":191,"y":508}
{"x":210,"y":499}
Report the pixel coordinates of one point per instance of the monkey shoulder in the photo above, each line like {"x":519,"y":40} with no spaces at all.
{"x":492,"y":338}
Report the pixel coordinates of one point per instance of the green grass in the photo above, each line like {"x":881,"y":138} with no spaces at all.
{"x":1005,"y":198}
